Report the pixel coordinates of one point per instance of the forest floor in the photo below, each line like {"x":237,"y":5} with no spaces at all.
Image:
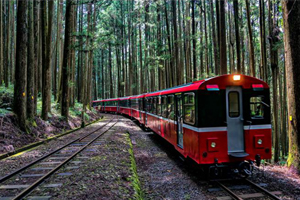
{"x":11,"y":137}
{"x":129,"y":163}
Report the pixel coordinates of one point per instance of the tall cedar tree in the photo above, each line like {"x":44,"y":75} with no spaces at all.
{"x":291,"y":16}
{"x":1,"y":43}
{"x":251,"y":45}
{"x":21,"y":63}
{"x":66,"y":60}
{"x":274,"y":38}
{"x":237,"y":35}
{"x":30,"y":67}
{"x":223,"y":57}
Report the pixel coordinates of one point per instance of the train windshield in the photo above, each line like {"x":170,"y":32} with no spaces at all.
{"x":257,"y":107}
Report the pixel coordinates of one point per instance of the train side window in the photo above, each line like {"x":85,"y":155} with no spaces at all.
{"x":147,"y":104}
{"x":158,"y":106}
{"x":257,"y":107}
{"x":154,"y":105}
{"x":171,"y":107}
{"x":164,"y":106}
{"x":233,"y":104}
{"x":189,"y":108}
{"x":150,"y":103}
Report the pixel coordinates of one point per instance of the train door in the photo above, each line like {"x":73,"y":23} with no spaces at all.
{"x":179,"y":119}
{"x":235,"y":121}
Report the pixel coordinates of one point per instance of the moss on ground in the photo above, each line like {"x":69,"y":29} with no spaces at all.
{"x":134,"y":179}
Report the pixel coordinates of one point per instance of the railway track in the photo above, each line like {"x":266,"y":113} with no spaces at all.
{"x":246,"y":184}
{"x":19,"y":183}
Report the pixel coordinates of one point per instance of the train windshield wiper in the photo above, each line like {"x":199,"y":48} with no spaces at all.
{"x":265,"y":104}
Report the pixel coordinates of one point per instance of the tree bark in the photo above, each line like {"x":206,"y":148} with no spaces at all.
{"x":21,"y":64}
{"x":194,"y":41}
{"x":263,"y":51}
{"x":66,"y":60}
{"x":31,"y":63}
{"x":291,"y":16}
{"x":251,"y":45}
{"x":1,"y":42}
{"x":214,"y":38}
{"x":222,"y":28}
{"x":237,"y":36}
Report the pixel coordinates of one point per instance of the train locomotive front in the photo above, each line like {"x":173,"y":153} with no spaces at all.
{"x":233,"y":123}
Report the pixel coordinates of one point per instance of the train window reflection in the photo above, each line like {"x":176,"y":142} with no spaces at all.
{"x":164,"y":106}
{"x":189,"y":108}
{"x":171,"y":107}
{"x":233,"y":104}
{"x":257,"y":107}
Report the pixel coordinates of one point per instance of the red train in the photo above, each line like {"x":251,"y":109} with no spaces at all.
{"x":221,"y":123}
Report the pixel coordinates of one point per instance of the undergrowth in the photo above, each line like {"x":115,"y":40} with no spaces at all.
{"x":134,"y":179}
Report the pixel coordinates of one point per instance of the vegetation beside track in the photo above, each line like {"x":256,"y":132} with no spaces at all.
{"x":36,"y":144}
{"x":14,"y":140}
{"x":135,"y":178}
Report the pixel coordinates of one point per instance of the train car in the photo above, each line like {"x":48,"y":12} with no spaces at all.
{"x":97,"y":104}
{"x":124,"y":106}
{"x":221,"y":123}
{"x":107,"y":105}
{"x":137,"y":111}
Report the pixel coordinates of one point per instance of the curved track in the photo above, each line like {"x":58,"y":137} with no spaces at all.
{"x":81,"y":144}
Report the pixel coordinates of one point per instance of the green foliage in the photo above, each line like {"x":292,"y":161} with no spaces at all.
{"x":9,"y":89}
{"x":4,"y":112}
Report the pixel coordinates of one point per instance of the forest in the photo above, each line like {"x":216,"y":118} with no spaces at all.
{"x":65,"y":52}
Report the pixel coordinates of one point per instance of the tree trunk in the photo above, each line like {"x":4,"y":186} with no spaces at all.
{"x":7,"y":66}
{"x":214,"y":38}
{"x":1,"y":42}
{"x":206,"y":41}
{"x":223,"y":58}
{"x":189,"y":75}
{"x":169,"y":46}
{"x":263,"y":52}
{"x":251,"y":45}
{"x":176,"y":53}
{"x":194,"y":41}
{"x":45,"y":63}
{"x":291,"y":15}
{"x":21,"y":64}
{"x":237,"y":36}
{"x":66,"y":59}
{"x":30,"y":61}
{"x":36,"y":50}
{"x":180,"y":74}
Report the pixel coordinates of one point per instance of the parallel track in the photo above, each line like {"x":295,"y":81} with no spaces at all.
{"x":29,"y":189}
{"x":256,"y":186}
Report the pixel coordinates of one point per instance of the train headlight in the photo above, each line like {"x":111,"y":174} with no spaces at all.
{"x":259,"y":141}
{"x":236,"y":77}
{"x":213,"y":144}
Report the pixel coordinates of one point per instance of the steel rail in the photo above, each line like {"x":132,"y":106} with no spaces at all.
{"x":4,"y":178}
{"x":40,"y":180}
{"x":262,"y":189}
{"x":232,"y":194}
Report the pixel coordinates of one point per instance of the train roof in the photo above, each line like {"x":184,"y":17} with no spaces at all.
{"x":124,"y":98}
{"x":138,"y":96}
{"x":221,"y":82}
{"x":103,"y":100}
